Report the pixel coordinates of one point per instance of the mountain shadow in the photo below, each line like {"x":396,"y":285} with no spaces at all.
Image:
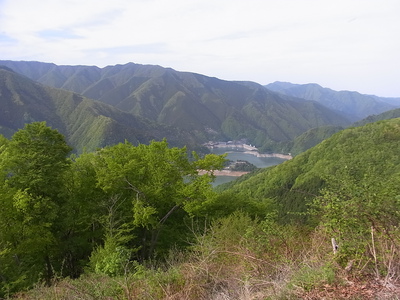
{"x":87,"y":124}
{"x":207,"y":107}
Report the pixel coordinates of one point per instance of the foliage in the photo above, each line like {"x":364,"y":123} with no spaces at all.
{"x":157,"y":183}
{"x":111,"y":259}
{"x":33,"y":165}
{"x":363,"y":213}
{"x":311,"y":277}
{"x":145,"y":224}
{"x":390,"y":114}
{"x":312,"y":138}
{"x":108,"y":205}
{"x":242,"y":166}
{"x":36,"y":158}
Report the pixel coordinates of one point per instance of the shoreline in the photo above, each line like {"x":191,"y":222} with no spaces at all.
{"x":225,"y":173}
{"x":250,"y":150}
{"x":278,"y":155}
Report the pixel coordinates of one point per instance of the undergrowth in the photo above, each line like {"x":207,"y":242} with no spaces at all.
{"x":236,"y":258}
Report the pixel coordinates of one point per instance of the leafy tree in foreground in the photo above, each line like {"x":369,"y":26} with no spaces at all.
{"x":32,"y":168}
{"x":156,"y":188}
{"x":108,"y":208}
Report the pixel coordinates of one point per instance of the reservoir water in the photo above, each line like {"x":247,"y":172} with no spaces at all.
{"x":239,"y":154}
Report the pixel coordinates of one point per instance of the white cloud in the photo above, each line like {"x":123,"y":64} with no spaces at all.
{"x":344,"y":44}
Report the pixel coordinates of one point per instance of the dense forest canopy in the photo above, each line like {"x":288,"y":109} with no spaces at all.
{"x":111,"y":212}
{"x":59,"y":211}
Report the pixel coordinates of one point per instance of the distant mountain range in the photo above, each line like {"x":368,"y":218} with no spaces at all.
{"x":86,"y":123}
{"x":95,"y":106}
{"x":353,"y":105}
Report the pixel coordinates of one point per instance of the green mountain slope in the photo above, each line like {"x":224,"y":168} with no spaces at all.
{"x":87,"y":124}
{"x":207,"y":107}
{"x":316,"y":135}
{"x":391,"y":114}
{"x":371,"y":150}
{"x":354,"y":105}
{"x":312,"y":138}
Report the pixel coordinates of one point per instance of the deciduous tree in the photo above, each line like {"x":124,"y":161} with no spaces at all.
{"x":32,"y":169}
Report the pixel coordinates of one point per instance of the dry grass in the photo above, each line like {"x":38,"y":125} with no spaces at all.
{"x":245,"y":259}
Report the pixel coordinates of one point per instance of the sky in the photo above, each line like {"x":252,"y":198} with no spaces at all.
{"x":340,"y":44}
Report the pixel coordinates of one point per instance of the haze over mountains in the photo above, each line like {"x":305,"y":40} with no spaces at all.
{"x":353,"y":105}
{"x":144,"y":102}
{"x":86,"y":123}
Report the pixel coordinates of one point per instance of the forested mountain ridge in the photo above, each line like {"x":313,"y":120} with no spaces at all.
{"x":311,"y":138}
{"x":208,"y":107}
{"x":357,"y":153}
{"x":316,"y":135}
{"x":354,"y":105}
{"x":86,"y":123}
{"x":391,"y":114}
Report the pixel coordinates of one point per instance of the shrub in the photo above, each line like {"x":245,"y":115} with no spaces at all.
{"x":111,"y":259}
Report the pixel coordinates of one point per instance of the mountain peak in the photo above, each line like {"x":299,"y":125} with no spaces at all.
{"x":207,"y":108}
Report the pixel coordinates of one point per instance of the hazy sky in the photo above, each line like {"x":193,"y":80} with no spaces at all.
{"x":341,"y":44}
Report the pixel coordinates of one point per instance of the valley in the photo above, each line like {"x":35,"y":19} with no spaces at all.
{"x":150,"y":102}
{"x":102,"y":198}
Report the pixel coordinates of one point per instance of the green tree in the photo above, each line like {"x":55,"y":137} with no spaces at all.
{"x":3,"y":143}
{"x":159,"y":184}
{"x":84,"y":214}
{"x":37,"y":157}
{"x":33,"y":164}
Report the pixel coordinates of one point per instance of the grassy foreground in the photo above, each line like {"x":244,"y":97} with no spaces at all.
{"x":242,"y":258}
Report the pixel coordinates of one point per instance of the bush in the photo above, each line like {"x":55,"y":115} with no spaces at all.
{"x":111,"y":259}
{"x":309,"y":277}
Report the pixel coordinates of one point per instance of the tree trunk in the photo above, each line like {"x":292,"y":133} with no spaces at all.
{"x":49,"y":270}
